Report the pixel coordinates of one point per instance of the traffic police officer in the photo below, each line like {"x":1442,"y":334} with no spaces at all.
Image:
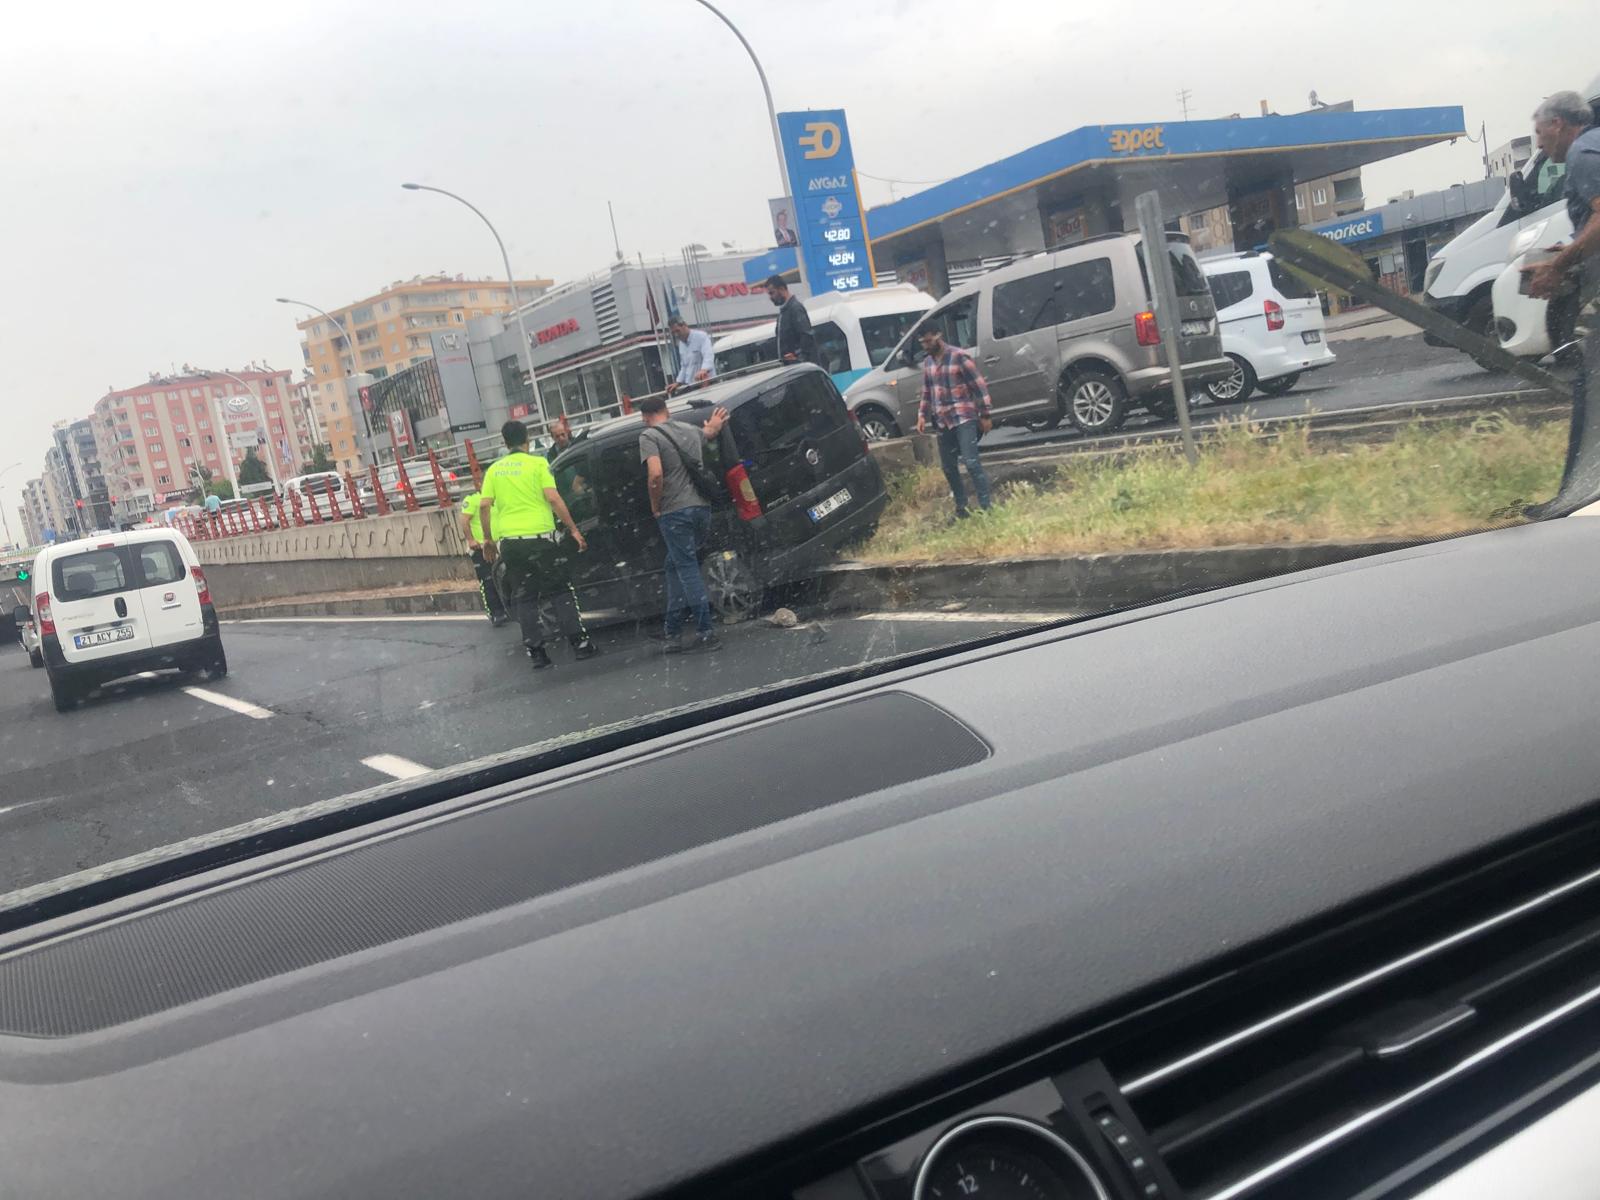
{"x":472,"y":527}
{"x":518,"y":509}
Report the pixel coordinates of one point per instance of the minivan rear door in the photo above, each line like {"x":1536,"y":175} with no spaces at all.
{"x":96,"y":606}
{"x":1020,"y":359}
{"x":793,"y":438}
{"x":167,"y":592}
{"x":1199,"y":339}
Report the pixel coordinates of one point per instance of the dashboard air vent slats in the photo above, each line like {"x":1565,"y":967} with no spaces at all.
{"x":1460,"y":1018}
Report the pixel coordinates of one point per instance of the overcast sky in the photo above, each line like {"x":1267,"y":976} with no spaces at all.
{"x":171,"y":166}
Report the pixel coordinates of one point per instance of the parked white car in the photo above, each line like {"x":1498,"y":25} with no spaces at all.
{"x":115,"y":605}
{"x":1272,"y":326}
{"x":28,"y":633}
{"x":313,"y":493}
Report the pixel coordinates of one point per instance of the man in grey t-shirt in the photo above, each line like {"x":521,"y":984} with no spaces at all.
{"x":682,"y":514}
{"x":1564,"y":127}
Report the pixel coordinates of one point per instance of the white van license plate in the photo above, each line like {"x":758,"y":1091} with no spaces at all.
{"x":103,"y":637}
{"x":1312,"y":338}
{"x":832,"y":504}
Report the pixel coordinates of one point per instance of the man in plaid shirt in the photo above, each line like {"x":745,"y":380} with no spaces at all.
{"x":955,"y":401}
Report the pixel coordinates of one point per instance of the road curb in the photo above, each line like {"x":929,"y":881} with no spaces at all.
{"x":417,"y":604}
{"x":1084,"y":582}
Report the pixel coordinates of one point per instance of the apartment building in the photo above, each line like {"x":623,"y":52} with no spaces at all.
{"x":391,"y":330}
{"x":153,"y":437}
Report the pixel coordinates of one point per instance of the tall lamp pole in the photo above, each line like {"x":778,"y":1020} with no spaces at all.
{"x":516,"y":299}
{"x":772,"y":116}
{"x":3,"y":517}
{"x":355,"y":369}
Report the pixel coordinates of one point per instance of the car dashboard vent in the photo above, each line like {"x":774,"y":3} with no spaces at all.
{"x":1355,"y":1067}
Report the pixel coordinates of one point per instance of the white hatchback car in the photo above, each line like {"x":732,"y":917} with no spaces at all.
{"x":1272,"y":326}
{"x":112,"y":606}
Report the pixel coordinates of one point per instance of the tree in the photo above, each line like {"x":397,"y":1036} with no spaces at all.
{"x":251,"y":470}
{"x":319,"y":458}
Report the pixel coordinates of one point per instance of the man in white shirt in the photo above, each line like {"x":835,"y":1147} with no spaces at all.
{"x":694,"y":355}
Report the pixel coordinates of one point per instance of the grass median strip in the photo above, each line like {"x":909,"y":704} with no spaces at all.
{"x":1426,"y":481}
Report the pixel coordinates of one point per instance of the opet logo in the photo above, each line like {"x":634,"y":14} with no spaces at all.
{"x":1126,"y":141}
{"x":821,"y":139}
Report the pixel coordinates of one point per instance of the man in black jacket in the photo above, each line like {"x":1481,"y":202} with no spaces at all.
{"x":796,"y":342}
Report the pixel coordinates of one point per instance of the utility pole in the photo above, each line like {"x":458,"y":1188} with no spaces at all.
{"x":1183,"y":101}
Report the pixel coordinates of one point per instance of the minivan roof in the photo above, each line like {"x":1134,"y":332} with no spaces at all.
{"x":97,"y":541}
{"x":702,"y":399}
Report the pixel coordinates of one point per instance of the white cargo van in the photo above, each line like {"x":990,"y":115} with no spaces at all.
{"x":112,"y":606}
{"x":1461,"y":278}
{"x":854,"y":330}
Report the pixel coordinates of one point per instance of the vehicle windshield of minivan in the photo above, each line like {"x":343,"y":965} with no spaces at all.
{"x":734,"y":350}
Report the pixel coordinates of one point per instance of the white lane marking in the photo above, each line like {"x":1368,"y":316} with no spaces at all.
{"x":975,"y":618}
{"x":393,"y":764}
{"x":479,"y":617}
{"x":239,"y":706}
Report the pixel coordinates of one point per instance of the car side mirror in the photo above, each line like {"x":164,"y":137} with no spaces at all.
{"x":21,"y":614}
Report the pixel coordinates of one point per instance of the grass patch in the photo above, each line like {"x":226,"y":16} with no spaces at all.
{"x":1427,"y":481}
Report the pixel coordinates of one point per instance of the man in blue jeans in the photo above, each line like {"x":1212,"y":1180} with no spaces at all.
{"x":955,"y":401}
{"x":667,"y":447}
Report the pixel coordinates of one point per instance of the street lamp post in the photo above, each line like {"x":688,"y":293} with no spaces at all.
{"x":516,"y":299}
{"x":3,"y":516}
{"x":371,"y":447}
{"x":772,"y":116}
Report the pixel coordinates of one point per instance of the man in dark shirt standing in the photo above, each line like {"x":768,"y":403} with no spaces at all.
{"x":1565,"y":129}
{"x":796,"y":342}
{"x":955,"y":401}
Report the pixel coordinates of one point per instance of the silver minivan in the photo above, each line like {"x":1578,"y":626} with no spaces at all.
{"x":1068,"y":334}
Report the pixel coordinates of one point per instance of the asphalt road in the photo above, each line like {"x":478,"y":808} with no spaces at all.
{"x":1367,"y":371}
{"x":324,"y":708}
{"x":148,"y":762}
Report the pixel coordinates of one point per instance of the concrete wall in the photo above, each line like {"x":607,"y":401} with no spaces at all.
{"x":400,"y":550}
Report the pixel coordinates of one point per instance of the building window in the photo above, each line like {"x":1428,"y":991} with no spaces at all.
{"x":391,"y":326}
{"x":1300,"y":201}
{"x":459,"y":316}
{"x":163,"y":479}
{"x":326,"y":370}
{"x":385,"y":306}
{"x":170,"y":396}
{"x":472,"y":297}
{"x":184,"y":442}
{"x":210,"y":441}
{"x":1321,"y":197}
{"x":153,"y":448}
{"x":395,"y":349}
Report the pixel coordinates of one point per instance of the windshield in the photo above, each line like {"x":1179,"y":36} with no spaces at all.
{"x":404,"y":329}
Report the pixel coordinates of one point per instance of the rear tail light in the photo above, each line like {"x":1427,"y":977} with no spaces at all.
{"x":1146,"y":329}
{"x":1274,"y":312}
{"x":742,"y":493}
{"x":41,"y":606}
{"x":200,"y":583}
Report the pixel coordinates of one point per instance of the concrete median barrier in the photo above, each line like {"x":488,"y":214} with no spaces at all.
{"x":396,"y":551}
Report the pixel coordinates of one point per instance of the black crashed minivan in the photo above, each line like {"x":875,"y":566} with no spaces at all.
{"x":801,"y":484}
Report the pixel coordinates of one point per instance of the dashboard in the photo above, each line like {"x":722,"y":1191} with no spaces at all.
{"x":1280,"y":890}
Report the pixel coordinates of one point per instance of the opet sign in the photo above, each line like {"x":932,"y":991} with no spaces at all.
{"x":1131,"y":141}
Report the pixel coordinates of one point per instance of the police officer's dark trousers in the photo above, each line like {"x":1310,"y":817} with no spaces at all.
{"x":487,"y":588}
{"x":537,"y":571}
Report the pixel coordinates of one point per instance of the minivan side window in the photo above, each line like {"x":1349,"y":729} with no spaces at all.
{"x":1084,"y":289}
{"x":883,"y":333}
{"x":783,"y":416}
{"x":159,"y":562}
{"x":833,"y":351}
{"x":1230,"y":288}
{"x":958,"y":321}
{"x":1025,"y":304}
{"x":89,"y":574}
{"x":1287,"y":282}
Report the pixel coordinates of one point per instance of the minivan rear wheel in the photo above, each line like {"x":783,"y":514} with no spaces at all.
{"x":1095,"y":401}
{"x":1235,"y":388}
{"x":876,"y":424}
{"x":63,"y":693}
{"x":735,"y":592}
